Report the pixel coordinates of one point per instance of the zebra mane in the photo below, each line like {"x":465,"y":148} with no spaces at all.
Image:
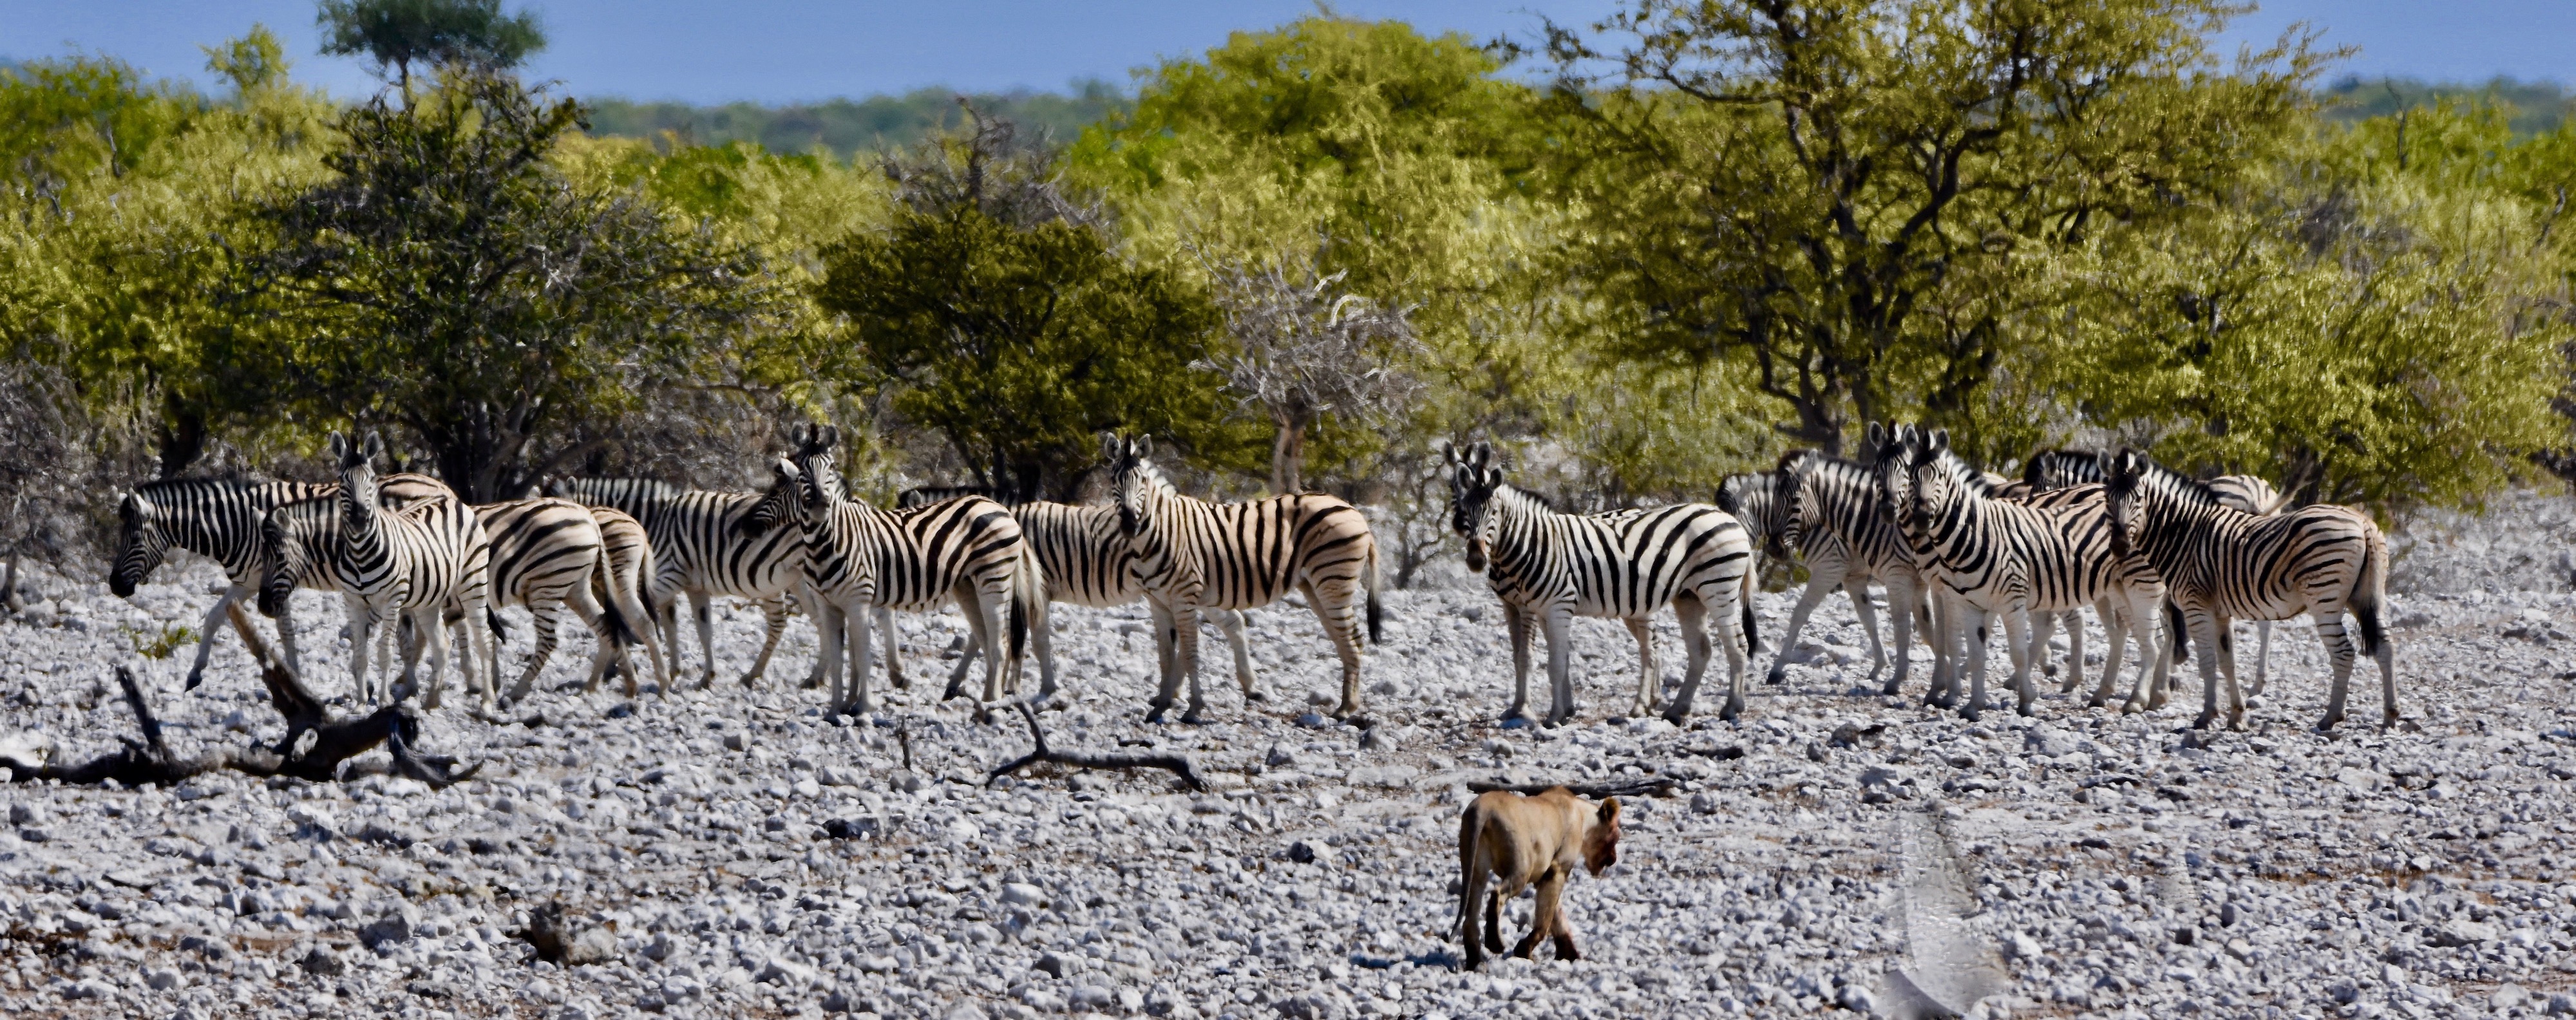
{"x":229,"y":480}
{"x":2169,"y":481}
{"x":652,"y":487}
{"x":1526,"y":496}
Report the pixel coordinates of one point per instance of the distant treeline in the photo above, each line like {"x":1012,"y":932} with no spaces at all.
{"x":2537,"y":105}
{"x":875,"y":124}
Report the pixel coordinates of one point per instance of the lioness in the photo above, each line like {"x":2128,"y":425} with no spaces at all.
{"x":1524,"y":841}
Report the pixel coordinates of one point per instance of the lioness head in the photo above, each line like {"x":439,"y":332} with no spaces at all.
{"x":1601,"y":845}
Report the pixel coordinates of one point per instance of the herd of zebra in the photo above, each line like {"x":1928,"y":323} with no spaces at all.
{"x":2155,"y":553}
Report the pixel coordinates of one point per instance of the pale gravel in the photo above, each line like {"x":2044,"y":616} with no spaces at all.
{"x":2115,"y":869}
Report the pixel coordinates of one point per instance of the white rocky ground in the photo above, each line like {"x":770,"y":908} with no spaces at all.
{"x":735,"y":853}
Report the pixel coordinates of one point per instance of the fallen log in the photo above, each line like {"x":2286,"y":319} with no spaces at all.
{"x":1178,"y":764}
{"x":1647,"y":786}
{"x":335,"y":742}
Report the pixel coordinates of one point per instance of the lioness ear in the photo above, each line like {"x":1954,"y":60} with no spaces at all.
{"x":1609,"y":810}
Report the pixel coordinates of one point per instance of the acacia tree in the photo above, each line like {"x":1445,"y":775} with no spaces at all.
{"x":1304,"y":348}
{"x":397,"y":34}
{"x":996,"y":307}
{"x":1826,"y":188}
{"x":448,"y":279}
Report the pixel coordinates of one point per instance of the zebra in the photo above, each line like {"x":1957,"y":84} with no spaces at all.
{"x":1193,"y":556}
{"x":859,"y":558}
{"x":1088,"y":562}
{"x":218,"y":518}
{"x":2059,"y":469}
{"x":2223,"y":564}
{"x":1988,"y":556}
{"x":386,"y":563}
{"x":1830,"y":512}
{"x":1549,"y":567}
{"x":546,"y":555}
{"x":626,"y":553}
{"x":702,"y":547}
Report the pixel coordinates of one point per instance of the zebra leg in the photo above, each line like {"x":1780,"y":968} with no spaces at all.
{"x":1231,"y":622}
{"x":2340,"y":655}
{"x":1971,"y":626}
{"x":774,"y":614}
{"x":1904,"y":601}
{"x":1167,"y":653}
{"x":2020,"y":633}
{"x":812,"y":602}
{"x":1857,"y":589}
{"x":1692,"y":612}
{"x":2226,"y":630}
{"x":1185,"y":657}
{"x":984,"y":613}
{"x":2262,"y":656}
{"x":362,"y":622}
{"x":1649,"y":680}
{"x":1818,"y":586}
{"x":1557,"y":624}
{"x":2208,"y":628}
{"x":827,"y":654}
{"x":2117,"y":623}
{"x":1517,"y":621}
{"x":206,"y":631}
{"x":856,"y":622}
{"x":1337,"y":608}
{"x":706,"y":637}
{"x":2042,"y":626}
{"x":893,"y":655}
{"x":1944,"y":625}
{"x":549,"y":617}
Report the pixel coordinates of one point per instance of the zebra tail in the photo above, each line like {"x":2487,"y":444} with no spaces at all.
{"x":619,"y":631}
{"x":2369,"y":586}
{"x":2181,"y":633}
{"x":1744,"y":600}
{"x":492,"y":618}
{"x":1028,"y":600}
{"x":1376,"y":613}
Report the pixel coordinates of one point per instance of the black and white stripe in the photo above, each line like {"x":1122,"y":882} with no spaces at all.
{"x":1831,"y":513}
{"x":1549,"y":567}
{"x":1088,"y":562}
{"x":218,"y":518}
{"x":1986,"y":556}
{"x":626,"y":567}
{"x":703,"y":546}
{"x":546,"y":554}
{"x":860,"y":558}
{"x":2222,"y":564}
{"x":387,"y":563}
{"x":1193,"y":556}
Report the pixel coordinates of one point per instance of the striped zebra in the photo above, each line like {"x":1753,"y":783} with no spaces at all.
{"x":1988,"y":556}
{"x":2059,"y":469}
{"x":1088,"y":562}
{"x":386,"y":564}
{"x":859,"y":558}
{"x":1193,"y":556}
{"x":1549,"y":567}
{"x":220,"y":519}
{"x":1830,"y":513}
{"x":702,"y":546}
{"x":546,"y":554}
{"x":2222,"y":564}
{"x":626,"y":551}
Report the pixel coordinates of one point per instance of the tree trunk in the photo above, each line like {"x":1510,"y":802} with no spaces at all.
{"x":180,"y":438}
{"x":1288,"y":457}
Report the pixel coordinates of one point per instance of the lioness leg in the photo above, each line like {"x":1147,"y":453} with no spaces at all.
{"x":1543,"y":919}
{"x":1494,"y":921}
{"x":1565,"y":938}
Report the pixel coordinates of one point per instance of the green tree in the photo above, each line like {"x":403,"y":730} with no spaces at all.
{"x":448,"y":278}
{"x":1825,"y":191}
{"x":472,"y":34}
{"x":997,"y":306}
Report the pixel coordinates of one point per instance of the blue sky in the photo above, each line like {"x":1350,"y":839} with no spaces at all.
{"x":779,"y":51}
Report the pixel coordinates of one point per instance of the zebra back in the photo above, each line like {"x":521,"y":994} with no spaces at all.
{"x":924,"y":495}
{"x":2247,"y":493}
{"x":722,"y":543}
{"x":2059,"y":469}
{"x":1754,"y":499}
{"x":2251,"y":567}
{"x":909,"y":560}
{"x":1625,"y":563}
{"x":218,"y":518}
{"x":1239,"y":555}
{"x":1833,"y":505}
{"x":541,"y":549}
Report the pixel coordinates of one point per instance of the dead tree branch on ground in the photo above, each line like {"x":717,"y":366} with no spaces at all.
{"x":1178,"y":764}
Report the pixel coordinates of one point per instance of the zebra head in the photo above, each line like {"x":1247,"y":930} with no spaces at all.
{"x":355,"y":462}
{"x":1938,"y":478}
{"x":784,"y":501}
{"x":1891,"y":460}
{"x":2122,"y":477}
{"x":287,"y":551}
{"x":1133,"y":479}
{"x":1472,"y":481}
{"x":140,"y":543}
{"x":819,"y":482}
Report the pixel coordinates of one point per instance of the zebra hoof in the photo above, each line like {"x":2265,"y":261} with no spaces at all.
{"x":1252,"y":695}
{"x":2023,"y":710}
{"x":1779,"y":674}
{"x":2205,"y":719}
{"x":1196,"y":716}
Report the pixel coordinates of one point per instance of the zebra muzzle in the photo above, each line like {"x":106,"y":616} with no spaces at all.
{"x":1475,"y":556}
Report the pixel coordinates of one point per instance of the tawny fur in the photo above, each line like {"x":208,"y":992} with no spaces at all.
{"x":1522,"y":842}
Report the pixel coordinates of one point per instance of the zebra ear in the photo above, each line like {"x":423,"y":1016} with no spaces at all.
{"x":1144,"y":446}
{"x":339,"y":448}
{"x":375,"y":444}
{"x":1110,"y":447}
{"x":1940,"y":440}
{"x":1877,"y":436}
{"x":828,"y":436}
{"x":1449,"y":453}
{"x":1482,"y":456}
